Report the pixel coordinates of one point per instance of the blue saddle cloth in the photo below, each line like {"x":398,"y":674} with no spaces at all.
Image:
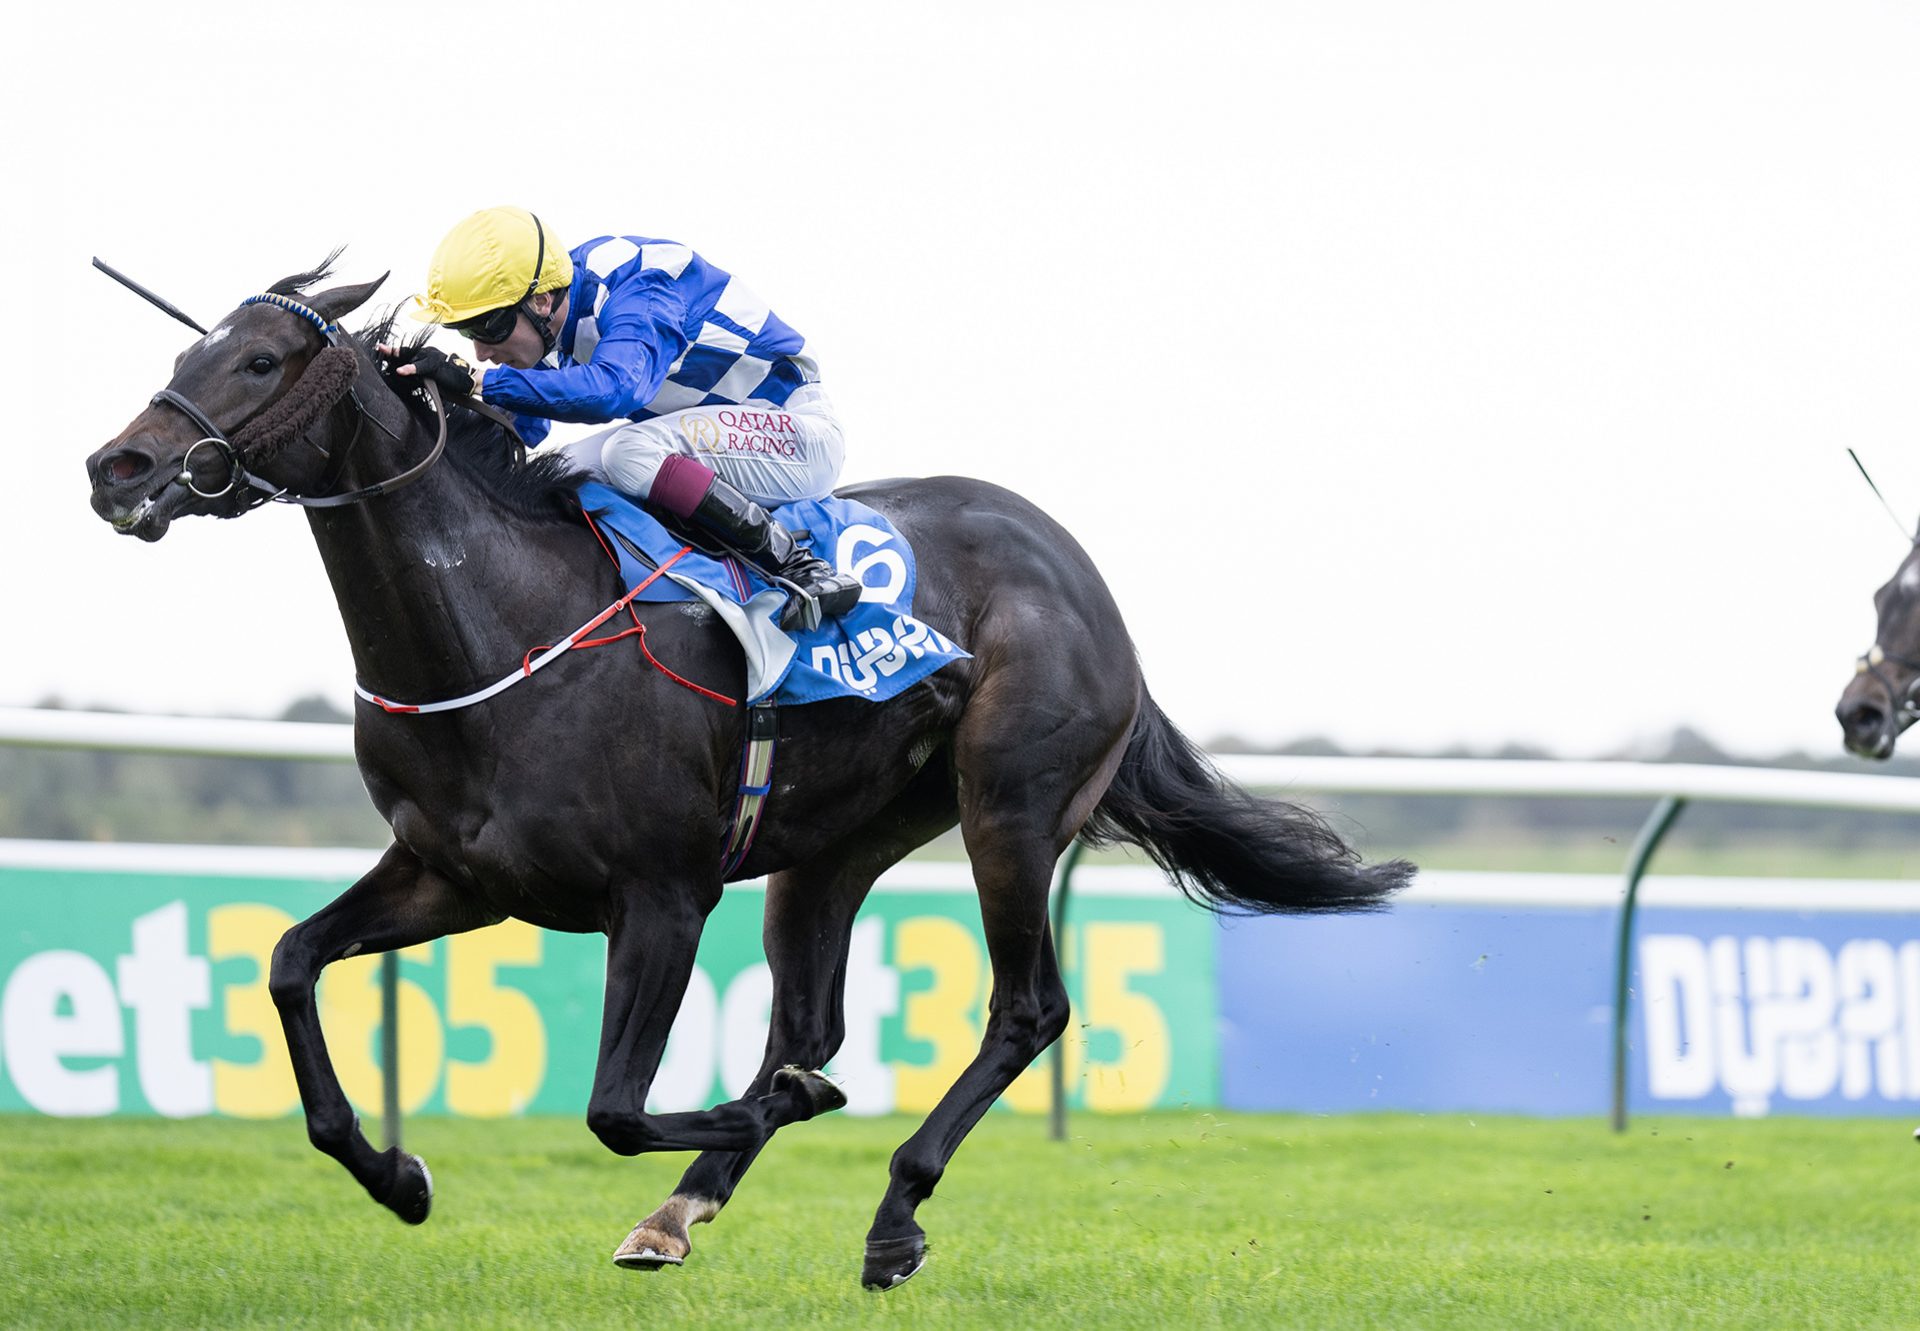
{"x":874,"y":651}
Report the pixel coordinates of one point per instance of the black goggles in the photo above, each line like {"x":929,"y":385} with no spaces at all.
{"x":493,"y":327}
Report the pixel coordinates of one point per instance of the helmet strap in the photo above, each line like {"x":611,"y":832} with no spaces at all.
{"x":541,"y":322}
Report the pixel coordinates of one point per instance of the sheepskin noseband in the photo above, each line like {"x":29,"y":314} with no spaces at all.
{"x":328,"y":378}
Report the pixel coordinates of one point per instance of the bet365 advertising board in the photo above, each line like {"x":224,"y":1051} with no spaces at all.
{"x":133,"y":980}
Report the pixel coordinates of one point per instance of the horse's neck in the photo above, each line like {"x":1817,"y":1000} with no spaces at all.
{"x":440,"y":589}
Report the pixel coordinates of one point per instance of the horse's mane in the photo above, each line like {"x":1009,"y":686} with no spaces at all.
{"x":541,"y":488}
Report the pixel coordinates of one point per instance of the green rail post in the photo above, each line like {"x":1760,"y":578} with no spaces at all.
{"x":1057,"y":1111}
{"x":390,"y":1046}
{"x":1644,"y":845}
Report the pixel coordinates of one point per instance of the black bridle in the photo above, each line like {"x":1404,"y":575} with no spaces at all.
{"x":1903,"y":705}
{"x":249,"y":491}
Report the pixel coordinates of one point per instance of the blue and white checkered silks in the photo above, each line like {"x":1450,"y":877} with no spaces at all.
{"x":653,"y":328}
{"x":875,"y":651}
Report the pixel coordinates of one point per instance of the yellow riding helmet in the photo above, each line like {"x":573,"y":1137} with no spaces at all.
{"x":495,"y":258}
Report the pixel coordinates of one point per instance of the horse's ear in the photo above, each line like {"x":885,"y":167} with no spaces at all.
{"x":337,"y":302}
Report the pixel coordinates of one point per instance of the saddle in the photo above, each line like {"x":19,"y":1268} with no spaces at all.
{"x":875,"y":651}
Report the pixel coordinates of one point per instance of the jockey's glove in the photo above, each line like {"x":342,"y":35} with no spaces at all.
{"x":452,"y":373}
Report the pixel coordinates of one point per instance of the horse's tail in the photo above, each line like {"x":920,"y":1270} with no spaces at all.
{"x":1227,"y":849}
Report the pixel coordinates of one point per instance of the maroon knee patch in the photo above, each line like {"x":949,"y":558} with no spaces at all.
{"x":680,"y":484}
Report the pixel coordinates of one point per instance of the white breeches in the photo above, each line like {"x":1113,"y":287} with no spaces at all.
{"x":773,"y":455}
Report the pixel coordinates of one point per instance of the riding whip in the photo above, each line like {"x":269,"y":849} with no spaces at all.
{"x":147,"y":295}
{"x":1877,"y":495}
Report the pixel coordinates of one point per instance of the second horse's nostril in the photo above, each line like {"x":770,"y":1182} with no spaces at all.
{"x":1865,"y":719}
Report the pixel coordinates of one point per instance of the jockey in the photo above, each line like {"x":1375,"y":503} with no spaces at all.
{"x":717,"y":411}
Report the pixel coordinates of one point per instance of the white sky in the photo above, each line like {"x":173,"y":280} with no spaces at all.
{"x":1416,"y":373}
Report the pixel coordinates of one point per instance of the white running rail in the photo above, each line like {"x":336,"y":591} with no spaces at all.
{"x":210,"y":737}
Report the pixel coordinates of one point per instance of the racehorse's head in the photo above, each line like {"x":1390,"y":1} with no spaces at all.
{"x":266,"y":376}
{"x":1884,"y":697}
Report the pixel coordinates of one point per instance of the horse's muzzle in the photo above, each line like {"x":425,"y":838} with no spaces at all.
{"x":1868,"y":727}
{"x":129,"y":490}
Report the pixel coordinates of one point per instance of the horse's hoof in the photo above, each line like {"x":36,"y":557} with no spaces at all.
{"x":816,"y":1093}
{"x":412,"y":1195}
{"x":893,"y":1262}
{"x":650,"y":1247}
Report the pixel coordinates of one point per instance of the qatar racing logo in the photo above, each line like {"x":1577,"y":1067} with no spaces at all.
{"x":769,"y":433}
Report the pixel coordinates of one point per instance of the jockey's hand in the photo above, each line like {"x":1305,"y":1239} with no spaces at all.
{"x":452,"y":373}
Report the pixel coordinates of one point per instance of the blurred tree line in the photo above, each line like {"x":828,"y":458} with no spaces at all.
{"x":1753,"y":835}
{"x":140,"y":797}
{"x":100,"y":796}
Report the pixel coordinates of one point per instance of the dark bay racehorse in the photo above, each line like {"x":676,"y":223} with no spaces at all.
{"x":1883,"y":698}
{"x":594,"y":797}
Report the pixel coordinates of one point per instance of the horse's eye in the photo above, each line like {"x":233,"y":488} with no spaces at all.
{"x":261,"y":365}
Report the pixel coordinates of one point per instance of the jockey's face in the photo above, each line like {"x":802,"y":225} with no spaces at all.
{"x":522,"y":348}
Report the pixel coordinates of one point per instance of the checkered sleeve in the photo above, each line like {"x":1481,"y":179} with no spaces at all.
{"x":641,"y":336}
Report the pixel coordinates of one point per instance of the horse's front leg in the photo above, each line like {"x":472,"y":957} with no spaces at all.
{"x":400,"y":903}
{"x":650,"y":955}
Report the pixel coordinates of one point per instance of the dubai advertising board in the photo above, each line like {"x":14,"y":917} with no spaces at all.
{"x":1771,"y":1022}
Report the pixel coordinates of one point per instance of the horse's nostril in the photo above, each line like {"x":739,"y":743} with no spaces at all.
{"x":1865,"y":718}
{"x":126,"y":466}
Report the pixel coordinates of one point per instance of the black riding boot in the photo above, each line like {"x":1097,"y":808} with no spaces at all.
{"x":769,"y":547}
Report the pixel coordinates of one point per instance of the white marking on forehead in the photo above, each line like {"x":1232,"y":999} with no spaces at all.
{"x":1909,"y":580}
{"x":217,"y":336}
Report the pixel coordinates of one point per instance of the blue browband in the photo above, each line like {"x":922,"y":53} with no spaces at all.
{"x":330,"y":331}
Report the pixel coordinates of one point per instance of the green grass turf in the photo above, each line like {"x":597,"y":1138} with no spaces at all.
{"x":1169,"y":1220}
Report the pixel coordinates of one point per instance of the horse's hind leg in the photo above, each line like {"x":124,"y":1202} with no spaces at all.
{"x":1035,"y":751}
{"x":399,"y":903}
{"x":798,"y":1035}
{"x":1029,"y":1010}
{"x":651,"y":942}
{"x":807,"y":929}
